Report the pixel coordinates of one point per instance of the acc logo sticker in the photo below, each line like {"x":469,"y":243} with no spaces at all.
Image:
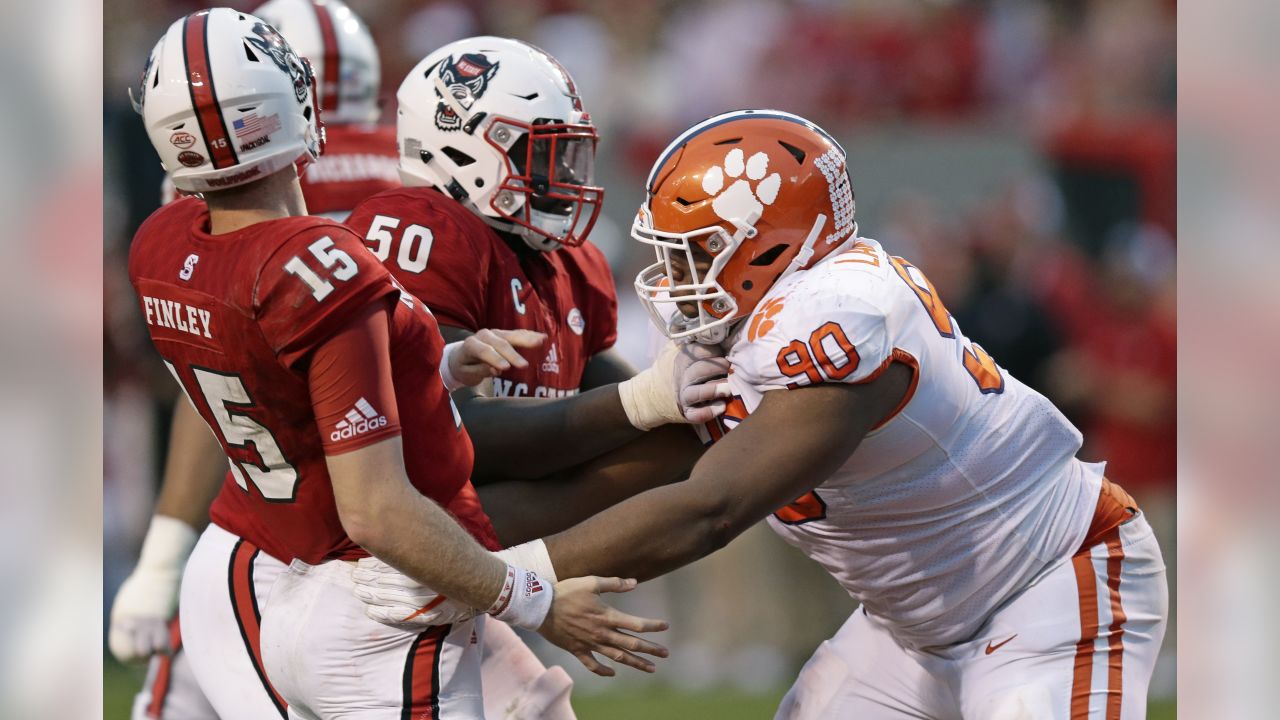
{"x":576,"y":323}
{"x":182,"y":140}
{"x":190,"y":159}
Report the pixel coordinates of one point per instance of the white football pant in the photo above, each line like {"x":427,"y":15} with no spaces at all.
{"x":224,"y":589}
{"x":1079,"y":643}
{"x":330,"y":660}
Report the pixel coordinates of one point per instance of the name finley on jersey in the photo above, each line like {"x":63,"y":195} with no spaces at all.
{"x":173,"y":314}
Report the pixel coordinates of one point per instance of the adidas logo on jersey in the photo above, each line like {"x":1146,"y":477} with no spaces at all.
{"x":552,"y":363}
{"x":359,"y":420}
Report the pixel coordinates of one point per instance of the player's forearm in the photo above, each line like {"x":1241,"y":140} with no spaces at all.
{"x":383,"y":513}
{"x":525,"y":510}
{"x":648,"y":535}
{"x":194,"y":469}
{"x":528,"y":438}
{"x":413,"y":534}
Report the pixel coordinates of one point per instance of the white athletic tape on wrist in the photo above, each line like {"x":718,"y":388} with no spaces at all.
{"x":450,"y":382}
{"x":525,"y":599}
{"x":532,"y":555}
{"x":649,"y":398}
{"x":168,"y":544}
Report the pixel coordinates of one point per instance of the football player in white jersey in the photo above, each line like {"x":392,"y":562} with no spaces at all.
{"x":999,"y":576}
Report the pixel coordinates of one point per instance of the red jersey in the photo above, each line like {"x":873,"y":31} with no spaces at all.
{"x":471,"y":278}
{"x":358,"y":161}
{"x":235,"y":318}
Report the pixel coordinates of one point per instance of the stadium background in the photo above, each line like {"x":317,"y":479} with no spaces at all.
{"x":1021,"y":152}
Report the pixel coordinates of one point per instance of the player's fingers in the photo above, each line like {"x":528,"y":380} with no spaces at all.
{"x":506,"y":350}
{"x":704,"y":370}
{"x":613,"y":584}
{"x":589,"y":661}
{"x":705,"y":413}
{"x":634,"y":623}
{"x":626,"y":658}
{"x":706,"y":392}
{"x":523,"y":338}
{"x":481,"y":352}
{"x":634,"y":644}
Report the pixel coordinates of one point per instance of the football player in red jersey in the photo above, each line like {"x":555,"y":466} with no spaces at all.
{"x":303,"y":356}
{"x":490,"y":230}
{"x":359,"y":160}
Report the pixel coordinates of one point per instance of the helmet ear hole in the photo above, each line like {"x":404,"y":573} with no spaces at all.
{"x":796,"y":152}
{"x":768,"y":257}
{"x":458,"y":157}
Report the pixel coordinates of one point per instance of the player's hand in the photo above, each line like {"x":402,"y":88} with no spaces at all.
{"x":702,"y":380}
{"x":140,"y":615}
{"x":148,"y":598}
{"x":583,"y":624}
{"x":687,"y":383}
{"x":486,"y":354}
{"x":393,"y":598}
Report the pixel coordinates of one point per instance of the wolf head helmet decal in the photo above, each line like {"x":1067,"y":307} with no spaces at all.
{"x":465,"y":79}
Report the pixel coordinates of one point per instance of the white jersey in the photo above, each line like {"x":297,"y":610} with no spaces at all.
{"x":960,"y":498}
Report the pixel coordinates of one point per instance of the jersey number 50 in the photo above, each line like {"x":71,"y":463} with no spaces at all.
{"x":415,"y":243}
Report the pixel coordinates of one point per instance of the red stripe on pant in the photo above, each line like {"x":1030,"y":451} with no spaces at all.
{"x":164,"y":673}
{"x":204,"y":98}
{"x":244,"y":605}
{"x":332,"y":59}
{"x":1082,"y":678}
{"x":422,"y":676}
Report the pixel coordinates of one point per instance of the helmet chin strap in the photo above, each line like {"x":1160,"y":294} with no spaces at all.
{"x":806,"y":250}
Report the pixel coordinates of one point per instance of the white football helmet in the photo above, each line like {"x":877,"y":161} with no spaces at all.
{"x":226,"y":102}
{"x":498,"y":125}
{"x":340,"y":49}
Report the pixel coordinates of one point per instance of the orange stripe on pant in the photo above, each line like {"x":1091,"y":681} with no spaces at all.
{"x":244,"y":605}
{"x":1115,"y":643}
{"x":422,"y":676}
{"x":1086,"y":581}
{"x":164,"y":673}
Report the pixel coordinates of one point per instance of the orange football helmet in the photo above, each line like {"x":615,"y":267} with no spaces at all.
{"x":762,"y":193}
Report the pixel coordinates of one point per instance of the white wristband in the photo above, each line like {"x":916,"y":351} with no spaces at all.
{"x":532,"y":555}
{"x":168,"y":544}
{"x":525,"y":599}
{"x":450,"y":382}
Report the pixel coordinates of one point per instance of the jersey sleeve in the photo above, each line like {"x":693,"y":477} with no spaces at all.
{"x":454,"y":281}
{"x":312,"y":285}
{"x":795,"y":342}
{"x":350,"y":381}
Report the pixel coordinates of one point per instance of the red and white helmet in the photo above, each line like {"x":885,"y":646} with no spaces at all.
{"x":340,"y":49}
{"x":498,"y":125}
{"x":226,"y":102}
{"x":762,"y":193}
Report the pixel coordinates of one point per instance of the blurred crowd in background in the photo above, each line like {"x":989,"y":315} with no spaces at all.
{"x":1020,"y":152}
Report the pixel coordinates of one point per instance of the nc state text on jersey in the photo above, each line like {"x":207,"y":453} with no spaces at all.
{"x":173,"y":314}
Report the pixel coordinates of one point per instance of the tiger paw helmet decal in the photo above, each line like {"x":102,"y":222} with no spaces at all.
{"x":741,"y":200}
{"x":465,"y":79}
